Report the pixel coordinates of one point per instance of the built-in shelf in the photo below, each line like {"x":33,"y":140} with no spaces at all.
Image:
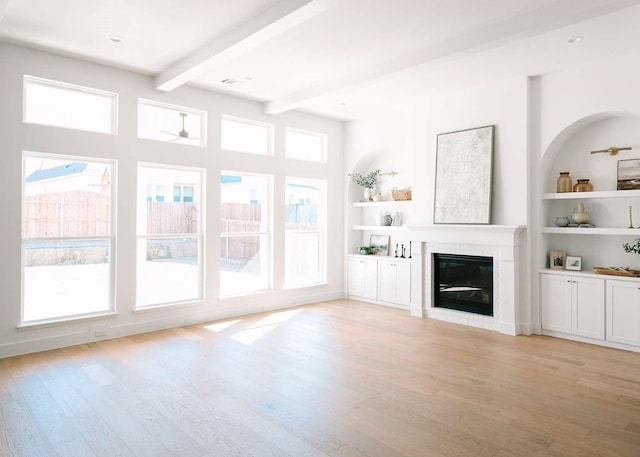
{"x":594,"y":194}
{"x":382,"y":203}
{"x":588,"y":274}
{"x":592,"y":231}
{"x":386,"y":228}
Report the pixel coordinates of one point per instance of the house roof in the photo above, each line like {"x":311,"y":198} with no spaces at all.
{"x":57,"y":172}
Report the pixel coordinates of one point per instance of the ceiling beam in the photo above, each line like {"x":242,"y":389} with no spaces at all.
{"x":4,"y":4}
{"x":275,"y":20}
{"x":498,"y":34}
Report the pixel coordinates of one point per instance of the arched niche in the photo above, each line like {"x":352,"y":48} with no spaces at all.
{"x":571,"y":149}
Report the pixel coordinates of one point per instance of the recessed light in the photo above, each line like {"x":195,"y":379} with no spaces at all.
{"x":114,"y":38}
{"x":575,"y":39}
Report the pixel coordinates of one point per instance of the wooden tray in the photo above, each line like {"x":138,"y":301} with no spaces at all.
{"x":617,"y":271}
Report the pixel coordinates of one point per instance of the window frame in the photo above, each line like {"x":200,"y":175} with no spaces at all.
{"x":241,"y":120}
{"x":267,"y":232}
{"x":113,"y":96}
{"x":199,"y":197}
{"x":111,"y":238}
{"x":324,"y":145}
{"x":322,"y":232}
{"x":178,"y":109}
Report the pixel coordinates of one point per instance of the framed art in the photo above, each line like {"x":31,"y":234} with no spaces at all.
{"x":557,"y":260}
{"x":629,"y":174}
{"x":379,"y":244}
{"x":573,"y":262}
{"x":464,"y":168}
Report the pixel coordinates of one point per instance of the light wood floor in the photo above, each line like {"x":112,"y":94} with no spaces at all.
{"x":341,"y":378}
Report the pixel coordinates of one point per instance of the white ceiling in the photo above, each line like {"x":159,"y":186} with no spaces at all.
{"x":339,"y":58}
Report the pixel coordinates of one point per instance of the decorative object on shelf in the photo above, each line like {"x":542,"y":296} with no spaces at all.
{"x":573,"y":262}
{"x":401,"y":194}
{"x":583,"y":185}
{"x":635,"y":247}
{"x":562,"y":221}
{"x":617,"y":271}
{"x":580,"y":214}
{"x":365,"y":250}
{"x":379,"y":244}
{"x":463,"y":176}
{"x":402,"y":250}
{"x":564,"y":182}
{"x":387,"y":220}
{"x":630,"y":218}
{"x":612,"y":150}
{"x":397,"y":219}
{"x":378,"y":197}
{"x":368,"y":181}
{"x":409,"y":249}
{"x":629,"y":174}
{"x":557,"y":260}
{"x":396,"y":251}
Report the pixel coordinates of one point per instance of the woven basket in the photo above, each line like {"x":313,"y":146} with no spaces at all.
{"x":401,"y":194}
{"x":617,"y":271}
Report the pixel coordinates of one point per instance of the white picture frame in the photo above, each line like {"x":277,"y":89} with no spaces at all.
{"x":464,"y":169}
{"x":573,"y":262}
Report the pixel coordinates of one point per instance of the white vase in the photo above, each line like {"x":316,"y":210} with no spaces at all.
{"x":368,"y":193}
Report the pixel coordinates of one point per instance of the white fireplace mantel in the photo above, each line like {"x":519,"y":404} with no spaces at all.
{"x":502,"y":242}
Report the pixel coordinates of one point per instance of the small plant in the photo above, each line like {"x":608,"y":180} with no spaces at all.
{"x":635,"y":247}
{"x":369,"y":180}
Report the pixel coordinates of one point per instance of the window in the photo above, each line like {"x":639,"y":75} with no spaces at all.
{"x":242,"y":135}
{"x":182,"y":193}
{"x":245,"y":252}
{"x":303,"y":145}
{"x":170,"y":235}
{"x":175,"y":124}
{"x":305,"y":229}
{"x":65,"y":105}
{"x":67,"y":228}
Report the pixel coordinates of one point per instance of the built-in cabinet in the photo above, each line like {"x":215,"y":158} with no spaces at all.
{"x":573,"y":305}
{"x":623,"y":312}
{"x":380,"y":279}
{"x":596,"y":307}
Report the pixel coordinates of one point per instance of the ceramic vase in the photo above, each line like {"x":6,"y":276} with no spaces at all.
{"x":583,"y":185}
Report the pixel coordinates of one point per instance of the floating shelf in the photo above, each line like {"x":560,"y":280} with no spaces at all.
{"x":383,"y":203}
{"x":385,"y":228}
{"x":594,"y":194}
{"x":592,"y":231}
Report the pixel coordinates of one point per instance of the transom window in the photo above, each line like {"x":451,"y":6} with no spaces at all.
{"x":171,"y":123}
{"x":243,"y":135}
{"x":67,"y":240}
{"x":65,"y":105}
{"x":304,"y":145}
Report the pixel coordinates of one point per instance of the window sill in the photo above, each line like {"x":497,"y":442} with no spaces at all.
{"x":306,"y":286}
{"x":150,"y":308}
{"x":66,"y":321}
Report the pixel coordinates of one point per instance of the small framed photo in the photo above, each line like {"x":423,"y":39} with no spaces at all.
{"x":573,"y":262}
{"x":557,"y":260}
{"x":379,"y":244}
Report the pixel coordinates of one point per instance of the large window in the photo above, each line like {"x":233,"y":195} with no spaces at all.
{"x":303,"y":145}
{"x":304,"y":232}
{"x":67,"y":237}
{"x":242,"y":135}
{"x":175,"y":124}
{"x":169,"y":235}
{"x":245,"y":260}
{"x":65,"y":105}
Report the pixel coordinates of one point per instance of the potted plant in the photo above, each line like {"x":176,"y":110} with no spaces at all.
{"x":368,"y":181}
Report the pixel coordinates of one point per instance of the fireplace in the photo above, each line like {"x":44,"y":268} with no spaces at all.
{"x":463,"y":283}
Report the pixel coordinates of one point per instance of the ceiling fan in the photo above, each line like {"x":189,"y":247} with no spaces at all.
{"x":182,"y":134}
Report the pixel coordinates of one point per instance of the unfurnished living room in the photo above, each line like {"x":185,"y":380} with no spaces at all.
{"x":342,"y":228}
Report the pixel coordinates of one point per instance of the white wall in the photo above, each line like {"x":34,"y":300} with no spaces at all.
{"x":127,"y":149}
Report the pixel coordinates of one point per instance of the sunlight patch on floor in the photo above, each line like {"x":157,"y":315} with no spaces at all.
{"x":264,"y":326}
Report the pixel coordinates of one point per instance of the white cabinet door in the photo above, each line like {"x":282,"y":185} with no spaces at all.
{"x":623,"y":312}
{"x":556,"y":302}
{"x":587,"y":307}
{"x":363,"y":277}
{"x":394,"y":282}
